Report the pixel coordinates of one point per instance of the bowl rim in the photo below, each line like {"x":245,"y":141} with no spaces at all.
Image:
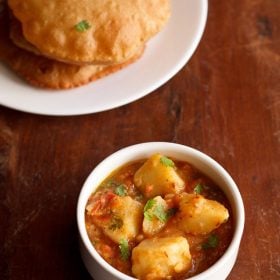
{"x":150,"y":148}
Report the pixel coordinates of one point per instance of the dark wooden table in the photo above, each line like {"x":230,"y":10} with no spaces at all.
{"x":224,"y":102}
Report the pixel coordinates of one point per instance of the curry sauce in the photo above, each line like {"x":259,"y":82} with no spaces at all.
{"x":120,"y":237}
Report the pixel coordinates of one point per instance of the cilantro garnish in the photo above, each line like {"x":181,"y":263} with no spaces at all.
{"x":212,"y":242}
{"x":160,"y":213}
{"x":82,"y":26}
{"x":198,"y":188}
{"x":166,"y":161}
{"x":149,"y":205}
{"x":116,"y":223}
{"x":153,"y":209}
{"x":121,"y":190}
{"x":124,"y":249}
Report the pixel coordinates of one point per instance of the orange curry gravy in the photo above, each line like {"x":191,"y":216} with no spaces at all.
{"x":203,"y":255}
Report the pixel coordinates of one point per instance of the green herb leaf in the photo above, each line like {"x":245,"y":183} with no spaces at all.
{"x":212,"y":242}
{"x":154,"y":210}
{"x":160,"y":213}
{"x":166,"y":161}
{"x":149,"y":205}
{"x":148,"y":215}
{"x":198,"y":188}
{"x":121,"y":190}
{"x":124,"y":249}
{"x":82,"y":26}
{"x":116,"y":223}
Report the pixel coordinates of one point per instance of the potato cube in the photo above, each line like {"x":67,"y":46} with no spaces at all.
{"x":198,"y":215}
{"x":158,"y":176}
{"x":161,"y":258}
{"x":126,"y":219}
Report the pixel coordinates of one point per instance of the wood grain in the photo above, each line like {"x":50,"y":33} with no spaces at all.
{"x":225,"y":102}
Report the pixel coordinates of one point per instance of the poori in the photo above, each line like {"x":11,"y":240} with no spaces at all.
{"x":84,"y":31}
{"x":47,"y":73}
{"x":65,"y":44}
{"x":43,"y":72}
{"x":17,"y":37}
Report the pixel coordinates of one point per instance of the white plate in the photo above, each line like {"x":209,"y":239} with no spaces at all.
{"x":164,"y":56}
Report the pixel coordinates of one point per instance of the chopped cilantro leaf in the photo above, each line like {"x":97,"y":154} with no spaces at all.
{"x":166,"y":161}
{"x":160,"y":213}
{"x":124,"y":249}
{"x":148,"y":215}
{"x":198,"y":189}
{"x":149,"y":204}
{"x":82,"y":26}
{"x":212,"y":242}
{"x":121,"y":190}
{"x":116,"y":223}
{"x":153,"y":209}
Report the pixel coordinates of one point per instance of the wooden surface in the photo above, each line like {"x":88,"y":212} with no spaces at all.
{"x":225,"y":102}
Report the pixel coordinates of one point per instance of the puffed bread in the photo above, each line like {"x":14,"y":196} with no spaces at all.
{"x":117,"y":29}
{"x":43,"y":72}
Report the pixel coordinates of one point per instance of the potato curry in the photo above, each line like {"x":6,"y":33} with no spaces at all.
{"x":159,"y":218}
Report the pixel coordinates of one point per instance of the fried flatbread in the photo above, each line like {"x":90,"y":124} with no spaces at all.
{"x":17,"y":37}
{"x":86,"y":31}
{"x":43,"y":72}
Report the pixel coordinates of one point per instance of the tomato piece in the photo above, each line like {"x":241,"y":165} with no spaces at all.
{"x":101,"y":206}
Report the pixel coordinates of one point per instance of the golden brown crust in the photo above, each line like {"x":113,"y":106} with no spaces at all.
{"x":118,"y":28}
{"x":47,"y":73}
{"x":43,"y":72}
{"x":17,"y":37}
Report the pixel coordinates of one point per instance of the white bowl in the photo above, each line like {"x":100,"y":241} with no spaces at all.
{"x":98,"y":267}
